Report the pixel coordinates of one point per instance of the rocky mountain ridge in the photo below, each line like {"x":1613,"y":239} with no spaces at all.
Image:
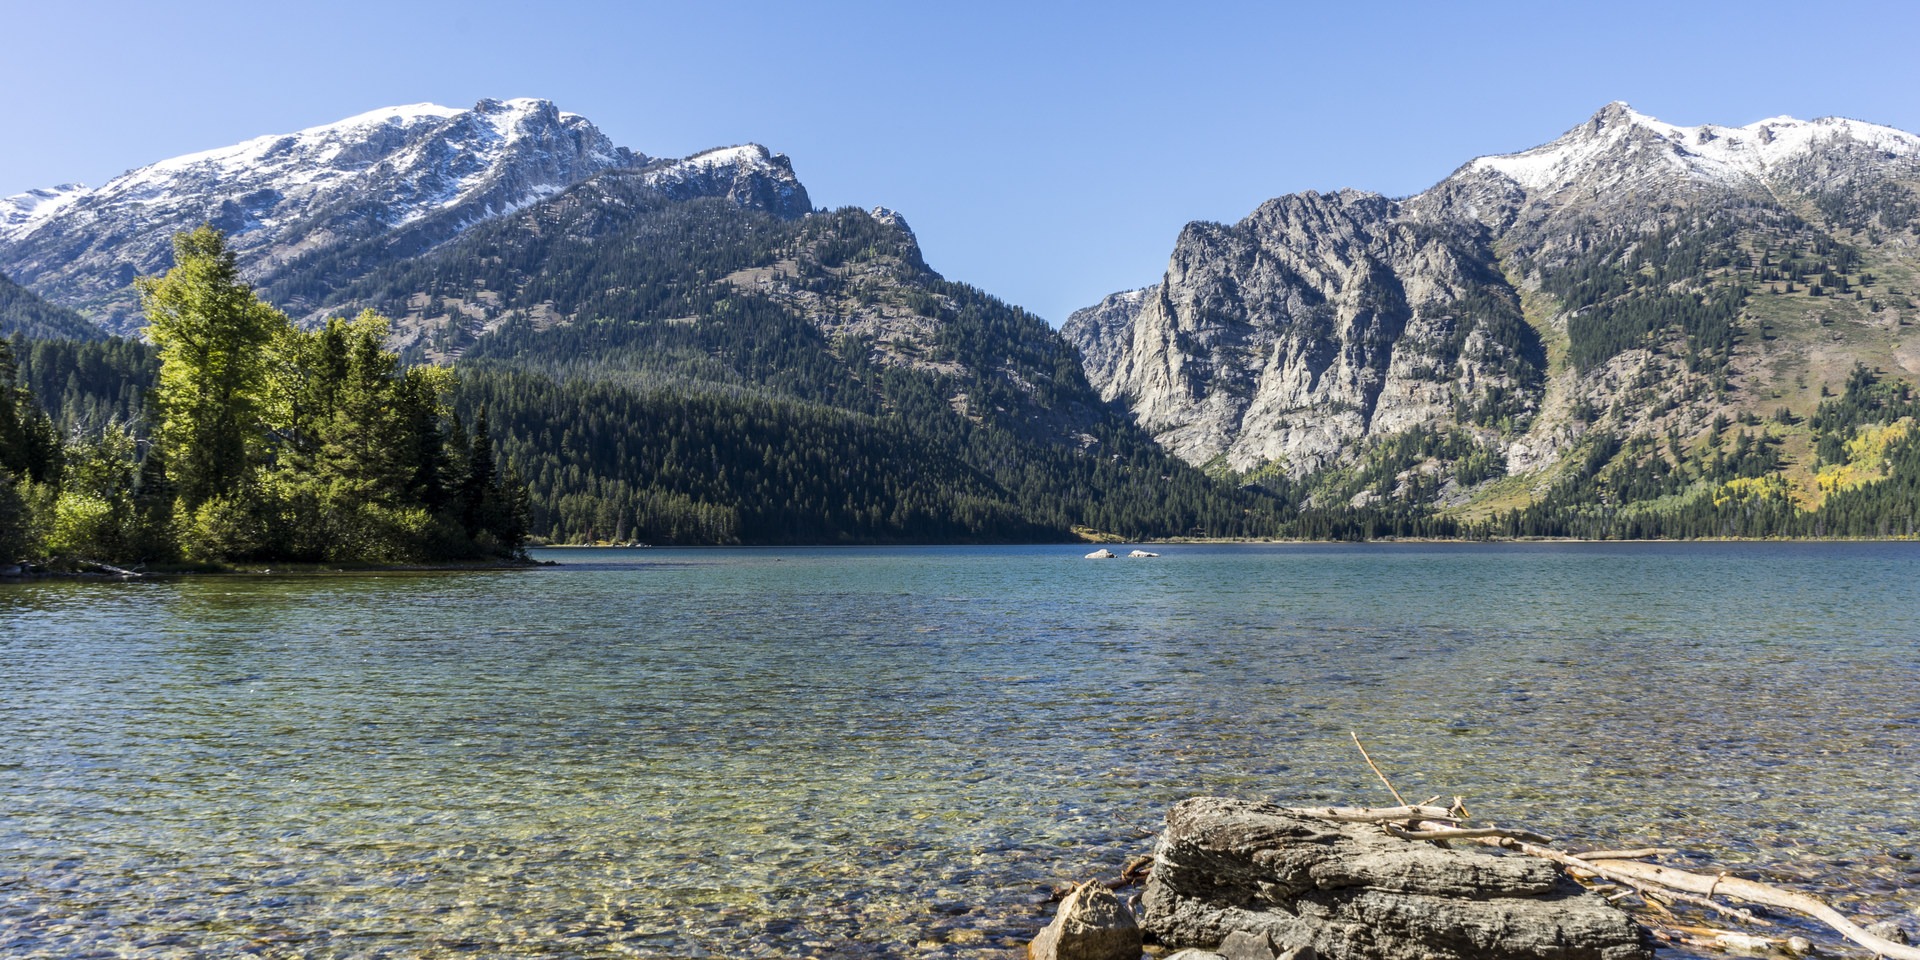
{"x":310,"y":211}
{"x":1631,"y":276}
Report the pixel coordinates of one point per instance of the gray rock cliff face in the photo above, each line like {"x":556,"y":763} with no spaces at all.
{"x":1318,"y":320}
{"x":1323,"y":321}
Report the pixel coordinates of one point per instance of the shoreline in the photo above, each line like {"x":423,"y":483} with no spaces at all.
{"x":28,"y":572}
{"x":1217,"y":541}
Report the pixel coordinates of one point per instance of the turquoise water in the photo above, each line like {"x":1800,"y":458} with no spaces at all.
{"x":897,"y":752}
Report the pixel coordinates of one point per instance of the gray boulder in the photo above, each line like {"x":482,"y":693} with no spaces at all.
{"x":1092,"y":925}
{"x":1245,"y":878}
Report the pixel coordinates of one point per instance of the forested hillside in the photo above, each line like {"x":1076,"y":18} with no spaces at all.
{"x":700,"y":372}
{"x":23,"y":313}
{"x":1718,"y":344}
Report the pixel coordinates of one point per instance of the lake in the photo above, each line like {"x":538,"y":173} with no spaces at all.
{"x":856,"y":752}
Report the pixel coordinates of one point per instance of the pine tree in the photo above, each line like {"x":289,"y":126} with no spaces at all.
{"x":478,"y":484}
{"x":212,"y":333}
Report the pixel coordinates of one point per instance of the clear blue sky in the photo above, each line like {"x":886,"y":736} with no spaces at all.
{"x":1048,"y":153}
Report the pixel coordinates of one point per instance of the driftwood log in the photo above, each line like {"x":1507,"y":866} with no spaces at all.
{"x":1693,"y":888}
{"x":1648,"y":880}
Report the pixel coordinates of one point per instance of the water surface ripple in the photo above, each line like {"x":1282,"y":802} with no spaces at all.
{"x":896,"y":752}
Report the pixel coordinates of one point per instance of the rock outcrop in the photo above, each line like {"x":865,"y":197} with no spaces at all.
{"x":1318,"y":320}
{"x":1092,"y":924}
{"x":1522,"y":301}
{"x":1228,"y":870}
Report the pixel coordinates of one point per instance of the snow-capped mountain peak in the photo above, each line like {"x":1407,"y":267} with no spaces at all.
{"x":748,"y":173}
{"x":306,"y":212}
{"x":1620,"y":145}
{"x":416,"y":175}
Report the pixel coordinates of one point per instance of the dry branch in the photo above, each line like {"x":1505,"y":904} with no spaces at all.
{"x":1657,"y":885}
{"x":1434,"y":832}
{"x":1637,"y":854}
{"x":1765,"y":895}
{"x":1397,"y":798}
{"x":1665,"y":892}
{"x":1374,"y":814}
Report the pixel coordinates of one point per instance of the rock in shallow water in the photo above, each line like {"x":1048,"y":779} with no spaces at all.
{"x":1888,"y":930}
{"x":1092,"y":925}
{"x":1350,"y":892}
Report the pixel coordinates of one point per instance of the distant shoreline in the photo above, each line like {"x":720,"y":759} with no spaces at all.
{"x":102,"y":572}
{"x":1215,"y":541}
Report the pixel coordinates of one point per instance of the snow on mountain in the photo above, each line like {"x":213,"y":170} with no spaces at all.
{"x":1592,"y":154}
{"x":22,"y":212}
{"x":414,"y":159}
{"x":748,"y":174}
{"x":308,"y":212}
{"x":1322,"y":321}
{"x":387,"y":183}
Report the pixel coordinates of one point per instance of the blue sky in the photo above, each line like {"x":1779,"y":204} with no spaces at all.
{"x":1048,"y":153}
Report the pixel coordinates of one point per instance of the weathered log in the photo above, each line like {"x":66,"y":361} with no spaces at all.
{"x":110,"y":568}
{"x":1466,"y":833}
{"x":1735,"y":940}
{"x":1374,"y":814}
{"x":1578,"y":863}
{"x":1699,"y":890}
{"x":1640,"y":853}
{"x":1765,"y":895}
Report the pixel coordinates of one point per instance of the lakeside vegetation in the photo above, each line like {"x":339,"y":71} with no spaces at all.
{"x":255,"y":440}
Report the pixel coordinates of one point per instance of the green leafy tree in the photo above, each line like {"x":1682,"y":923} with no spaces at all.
{"x":94,"y":515}
{"x":356,"y":452}
{"x":30,"y":464}
{"x":213,"y":334}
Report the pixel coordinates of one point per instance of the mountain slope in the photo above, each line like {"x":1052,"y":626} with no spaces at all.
{"x":26,"y":314}
{"x":1630,"y":279}
{"x":305,"y":210}
{"x":707,"y":368}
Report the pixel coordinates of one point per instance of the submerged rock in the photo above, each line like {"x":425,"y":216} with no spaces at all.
{"x":1888,"y":930}
{"x":1242,"y":877}
{"x":1092,"y":925}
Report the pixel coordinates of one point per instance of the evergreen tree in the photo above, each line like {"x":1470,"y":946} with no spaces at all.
{"x":29,"y":444}
{"x":212,"y":333}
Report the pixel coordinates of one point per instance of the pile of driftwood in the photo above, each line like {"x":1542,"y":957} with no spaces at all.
{"x":1625,"y":876}
{"x":1245,"y":879}
{"x":1627,"y":879}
